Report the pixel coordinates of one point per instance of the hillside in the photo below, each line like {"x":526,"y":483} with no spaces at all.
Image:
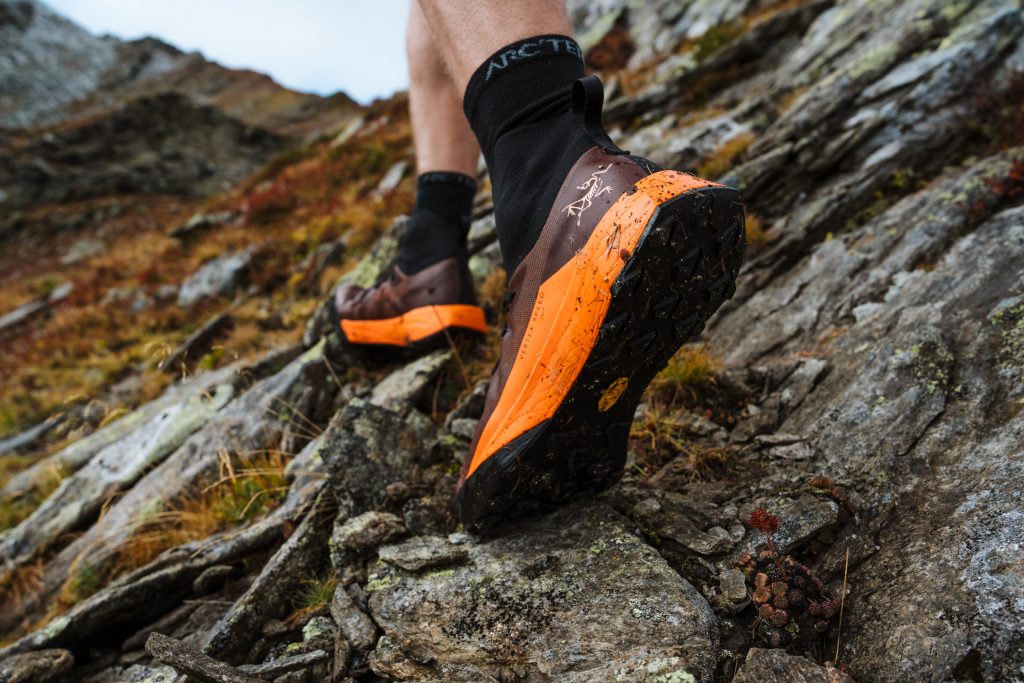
{"x":828,"y":475}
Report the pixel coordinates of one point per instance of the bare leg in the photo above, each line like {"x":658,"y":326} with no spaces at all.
{"x":441,"y":133}
{"x":469,"y":31}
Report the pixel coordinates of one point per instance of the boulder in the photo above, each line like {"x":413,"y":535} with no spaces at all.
{"x":574,"y":596}
{"x":217,"y":277}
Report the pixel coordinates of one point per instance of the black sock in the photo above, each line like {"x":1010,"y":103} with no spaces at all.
{"x":519,"y":105}
{"x":439,"y":223}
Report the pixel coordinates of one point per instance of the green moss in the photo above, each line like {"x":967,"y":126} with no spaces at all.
{"x":715,"y":39}
{"x":383,"y":583}
{"x":86,"y":582}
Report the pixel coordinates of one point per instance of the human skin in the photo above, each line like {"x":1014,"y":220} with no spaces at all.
{"x":441,"y":134}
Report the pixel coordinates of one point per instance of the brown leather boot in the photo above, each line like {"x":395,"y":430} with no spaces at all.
{"x":416,"y":312}
{"x":630,"y":263}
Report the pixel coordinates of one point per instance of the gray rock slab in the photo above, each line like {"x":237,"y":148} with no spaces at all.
{"x":423,"y":552}
{"x":194,"y":663}
{"x":573,"y":596}
{"x":36,"y":667}
{"x":113,"y":469}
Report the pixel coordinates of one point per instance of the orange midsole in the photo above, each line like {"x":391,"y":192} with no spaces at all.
{"x":571,"y":306}
{"x":414,"y":325}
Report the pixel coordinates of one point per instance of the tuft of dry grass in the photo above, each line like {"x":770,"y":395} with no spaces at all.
{"x":754,"y":230}
{"x":724,"y":158}
{"x":311,"y":595}
{"x":692,"y":366}
{"x":14,"y":510}
{"x":249,"y":486}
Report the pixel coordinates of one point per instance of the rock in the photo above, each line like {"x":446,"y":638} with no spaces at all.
{"x":278,"y":667}
{"x":194,"y":663}
{"x":422,"y":552}
{"x":429,"y":515}
{"x":573,"y":596}
{"x":212,"y":578}
{"x":197,"y":343}
{"x":60,"y":293}
{"x":13,"y":319}
{"x":733,"y":590}
{"x":358,"y":536}
{"x":463,"y":428}
{"x":775,"y":666}
{"x":299,"y":557}
{"x":400,"y":390}
{"x":217,"y":277}
{"x":393,"y":176}
{"x":30,"y":436}
{"x":350,"y":129}
{"x":199,"y":224}
{"x":389,"y":660}
{"x":471,"y":406}
{"x":94,"y":412}
{"x":116,"y":467}
{"x":375,"y":447}
{"x":313,"y":266}
{"x":249,"y":422}
{"x":800,"y":520}
{"x":675,"y":523}
{"x":82,"y":250}
{"x":354,"y":625}
{"x":36,"y":667}
{"x":131,"y":425}
{"x":134,"y":298}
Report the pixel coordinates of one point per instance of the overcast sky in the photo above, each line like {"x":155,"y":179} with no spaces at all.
{"x":317,"y":46}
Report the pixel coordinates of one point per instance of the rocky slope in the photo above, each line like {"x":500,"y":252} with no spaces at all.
{"x":831,"y":473}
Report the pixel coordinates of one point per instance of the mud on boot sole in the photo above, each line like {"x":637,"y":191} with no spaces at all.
{"x":681,"y":271}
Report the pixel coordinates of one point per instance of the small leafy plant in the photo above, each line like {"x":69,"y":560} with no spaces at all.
{"x":791,"y":602}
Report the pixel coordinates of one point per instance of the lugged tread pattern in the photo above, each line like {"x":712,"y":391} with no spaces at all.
{"x":681,"y":272}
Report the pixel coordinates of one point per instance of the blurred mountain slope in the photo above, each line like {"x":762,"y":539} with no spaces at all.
{"x":189,"y":452}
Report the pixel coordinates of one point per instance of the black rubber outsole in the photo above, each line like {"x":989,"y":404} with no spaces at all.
{"x":682,"y":270}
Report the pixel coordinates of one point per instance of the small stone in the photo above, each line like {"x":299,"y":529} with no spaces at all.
{"x":388,"y":660}
{"x":799,"y":521}
{"x":392,"y":177}
{"x":60,"y":292}
{"x":733,"y":586}
{"x":82,"y":250}
{"x":215,"y":278}
{"x":362,"y":534}
{"x":36,"y":667}
{"x":422,"y":552}
{"x":464,"y":428}
{"x":200,"y":223}
{"x":358,"y":629}
{"x":400,"y":390}
{"x":318,"y":627}
{"x":763,"y":665}
{"x":212,"y":578}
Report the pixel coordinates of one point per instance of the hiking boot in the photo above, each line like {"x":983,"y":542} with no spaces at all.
{"x":415,"y":312}
{"x":629,"y":265}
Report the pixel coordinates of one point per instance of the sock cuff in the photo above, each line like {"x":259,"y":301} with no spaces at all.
{"x":445,"y":178}
{"x":522,"y":74}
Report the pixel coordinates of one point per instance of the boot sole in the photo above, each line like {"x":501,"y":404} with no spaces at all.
{"x":417,"y":330}
{"x":681,"y":270}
